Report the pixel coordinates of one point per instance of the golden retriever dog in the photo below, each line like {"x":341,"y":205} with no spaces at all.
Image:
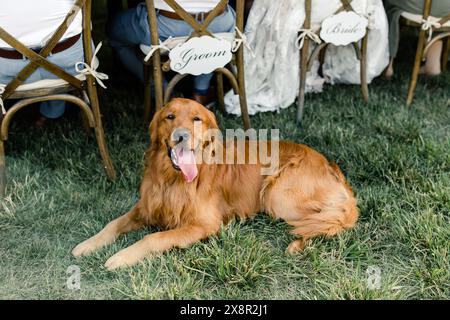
{"x":190,"y":200}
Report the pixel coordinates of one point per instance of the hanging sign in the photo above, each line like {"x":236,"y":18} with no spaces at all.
{"x":200,"y":55}
{"x":344,"y":28}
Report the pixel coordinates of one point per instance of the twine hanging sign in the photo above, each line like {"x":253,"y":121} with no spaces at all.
{"x":344,"y":28}
{"x":200,"y":55}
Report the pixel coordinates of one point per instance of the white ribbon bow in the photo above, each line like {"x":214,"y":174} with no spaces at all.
{"x":428,"y":25}
{"x":303,"y":33}
{"x":2,"y":90}
{"x":92,"y":68}
{"x":160,"y":46}
{"x":242,"y":40}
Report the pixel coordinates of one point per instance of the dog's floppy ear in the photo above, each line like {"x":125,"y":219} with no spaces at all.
{"x":153,"y":128}
{"x":212,"y":122}
{"x":210,"y":139}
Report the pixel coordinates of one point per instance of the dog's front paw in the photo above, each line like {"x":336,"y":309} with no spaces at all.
{"x":86,"y":247}
{"x":124,"y":258}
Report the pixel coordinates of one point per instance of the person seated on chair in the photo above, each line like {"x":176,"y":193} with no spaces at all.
{"x":394,"y":8}
{"x":248,"y":4}
{"x":33,"y":24}
{"x":130,"y":28}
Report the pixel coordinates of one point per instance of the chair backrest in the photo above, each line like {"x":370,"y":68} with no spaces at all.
{"x":346,"y":6}
{"x":38,"y":59}
{"x":427,"y":9}
{"x":200,"y":29}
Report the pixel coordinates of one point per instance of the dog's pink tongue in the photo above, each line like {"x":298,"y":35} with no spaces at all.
{"x":187,"y":164}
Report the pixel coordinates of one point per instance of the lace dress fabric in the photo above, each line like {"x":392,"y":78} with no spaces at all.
{"x":272,"y":75}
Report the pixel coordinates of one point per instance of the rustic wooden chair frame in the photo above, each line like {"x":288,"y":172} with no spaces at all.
{"x":70,"y":92}
{"x":307,"y":60}
{"x":163,"y":96}
{"x":423,"y":46}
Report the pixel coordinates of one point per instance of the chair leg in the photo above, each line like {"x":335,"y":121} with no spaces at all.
{"x":303,"y":70}
{"x":2,"y":169}
{"x":99,"y":134}
{"x":158,"y":83}
{"x":85,"y":123}
{"x":171,"y":86}
{"x":220,"y":92}
{"x":84,"y":120}
{"x":147,"y":94}
{"x":363,"y":68}
{"x":445,"y":53}
{"x":242,"y":93}
{"x":416,"y":68}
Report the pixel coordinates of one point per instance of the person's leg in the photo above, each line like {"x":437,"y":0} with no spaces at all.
{"x":129,"y":29}
{"x":393,"y":13}
{"x":389,"y":72}
{"x":9,"y":68}
{"x":432,"y":66}
{"x":52,"y":109}
{"x":66,"y":60}
{"x":178,"y":28}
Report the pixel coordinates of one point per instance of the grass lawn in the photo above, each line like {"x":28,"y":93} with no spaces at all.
{"x":397,"y":160}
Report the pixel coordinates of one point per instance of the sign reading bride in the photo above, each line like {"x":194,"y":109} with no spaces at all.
{"x":200,"y":55}
{"x":344,"y":28}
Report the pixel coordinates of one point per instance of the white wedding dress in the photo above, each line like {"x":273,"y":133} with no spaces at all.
{"x":272,"y":74}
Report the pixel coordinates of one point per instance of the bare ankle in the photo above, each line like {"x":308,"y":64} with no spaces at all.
{"x":433,"y":64}
{"x":389,"y":71}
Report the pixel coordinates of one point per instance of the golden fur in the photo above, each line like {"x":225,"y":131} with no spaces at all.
{"x":306,"y":191}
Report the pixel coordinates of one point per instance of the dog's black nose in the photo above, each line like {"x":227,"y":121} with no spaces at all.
{"x":180,"y":135}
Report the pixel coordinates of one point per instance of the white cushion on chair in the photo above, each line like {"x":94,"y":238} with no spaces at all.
{"x":418,"y":18}
{"x":47,"y":83}
{"x":51,"y":83}
{"x":173,"y":42}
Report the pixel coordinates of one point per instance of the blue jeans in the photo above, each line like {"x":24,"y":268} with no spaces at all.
{"x":130,"y":28}
{"x":66,"y":59}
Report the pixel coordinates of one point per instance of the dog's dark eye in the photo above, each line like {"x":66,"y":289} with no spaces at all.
{"x":171,"y":117}
{"x":197,"y":119}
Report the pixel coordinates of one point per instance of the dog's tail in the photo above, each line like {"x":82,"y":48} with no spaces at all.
{"x":331,"y":220}
{"x":339,"y":213}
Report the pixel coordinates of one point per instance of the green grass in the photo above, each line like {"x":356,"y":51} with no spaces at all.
{"x":397,"y":160}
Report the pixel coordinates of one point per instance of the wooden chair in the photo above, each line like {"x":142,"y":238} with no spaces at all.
{"x":307,"y":59}
{"x":79,"y":90}
{"x":160,"y":62}
{"x":427,"y":24}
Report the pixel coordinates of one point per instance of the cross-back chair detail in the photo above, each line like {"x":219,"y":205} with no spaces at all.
{"x":428,"y":25}
{"x":159,"y":66}
{"x":306,"y":35}
{"x":79,"y":90}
